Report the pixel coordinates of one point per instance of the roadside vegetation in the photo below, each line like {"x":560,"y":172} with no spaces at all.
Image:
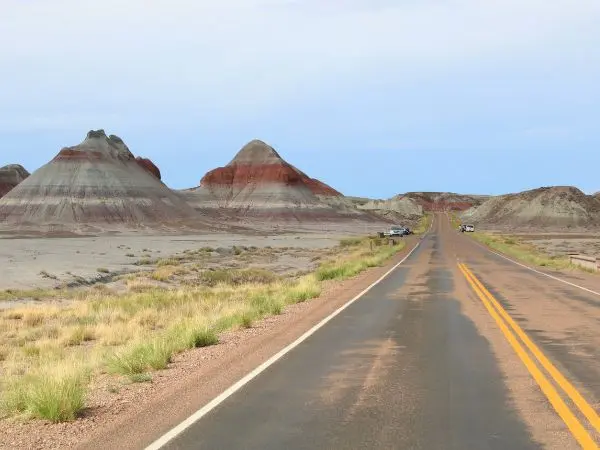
{"x":50,"y":353}
{"x":423,"y":225}
{"x":524,"y":252}
{"x":455,"y":221}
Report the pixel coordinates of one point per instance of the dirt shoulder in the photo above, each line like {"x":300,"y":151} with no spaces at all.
{"x":131,"y":416}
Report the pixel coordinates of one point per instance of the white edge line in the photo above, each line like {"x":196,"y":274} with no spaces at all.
{"x":535,"y":270}
{"x":176,"y":431}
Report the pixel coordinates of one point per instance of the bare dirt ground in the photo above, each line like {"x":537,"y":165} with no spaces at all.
{"x":47,"y":263}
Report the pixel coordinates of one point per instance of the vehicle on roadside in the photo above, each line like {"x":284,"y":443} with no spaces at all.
{"x":399,"y":231}
{"x":395,"y":231}
{"x":469,"y":228}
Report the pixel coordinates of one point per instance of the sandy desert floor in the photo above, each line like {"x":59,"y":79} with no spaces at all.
{"x":44,"y":263}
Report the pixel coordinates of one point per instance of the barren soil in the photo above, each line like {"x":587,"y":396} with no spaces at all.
{"x":46,"y":263}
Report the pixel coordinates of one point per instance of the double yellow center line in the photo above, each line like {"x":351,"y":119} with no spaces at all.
{"x":518,"y":341}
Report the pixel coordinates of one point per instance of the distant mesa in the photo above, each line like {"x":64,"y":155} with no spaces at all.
{"x":404,"y":206}
{"x":258,"y":182}
{"x":444,"y":201}
{"x":98,"y":183}
{"x":553,"y":207}
{"x":11,"y":176}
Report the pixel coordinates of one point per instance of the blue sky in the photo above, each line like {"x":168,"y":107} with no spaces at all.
{"x":374,"y":97}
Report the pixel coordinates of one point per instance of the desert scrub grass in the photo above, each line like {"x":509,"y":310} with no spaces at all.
{"x":56,"y":395}
{"x":140,"y":357}
{"x":139,"y":285}
{"x":341,"y":269}
{"x":202,"y":337}
{"x":423,"y":225}
{"x":168,"y":262}
{"x":155,"y":354}
{"x":528,"y":253}
{"x":37,"y":294}
{"x":191,"y":334}
{"x":146,"y":262}
{"x":79,"y":335}
{"x":237,"y":277}
{"x":351,"y":241}
{"x":247,"y":319}
{"x":306,"y":288}
{"x":102,"y":270}
{"x":163,"y":274}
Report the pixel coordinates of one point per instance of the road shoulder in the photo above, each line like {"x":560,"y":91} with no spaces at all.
{"x":139,"y":413}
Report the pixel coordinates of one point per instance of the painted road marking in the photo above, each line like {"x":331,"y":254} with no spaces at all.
{"x":567,"y":387}
{"x":174,"y":432}
{"x":535,"y":270}
{"x":574,"y":425}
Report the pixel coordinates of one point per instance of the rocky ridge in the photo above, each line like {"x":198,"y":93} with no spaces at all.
{"x":555,"y":207}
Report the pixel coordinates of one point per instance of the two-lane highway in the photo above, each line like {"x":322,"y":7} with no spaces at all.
{"x":421,"y":362}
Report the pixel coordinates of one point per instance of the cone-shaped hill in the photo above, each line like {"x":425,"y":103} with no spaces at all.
{"x":11,"y":176}
{"x":553,"y":207}
{"x":259,"y":182}
{"x":96,"y":183}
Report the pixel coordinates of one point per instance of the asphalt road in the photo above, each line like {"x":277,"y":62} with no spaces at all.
{"x":422,"y":362}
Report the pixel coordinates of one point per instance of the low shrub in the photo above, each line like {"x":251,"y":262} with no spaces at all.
{"x":55,"y":396}
{"x":237,"y":277}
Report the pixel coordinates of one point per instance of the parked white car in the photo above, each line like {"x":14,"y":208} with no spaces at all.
{"x":396,"y":231}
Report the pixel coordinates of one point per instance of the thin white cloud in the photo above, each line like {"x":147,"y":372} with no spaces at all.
{"x":236,"y":56}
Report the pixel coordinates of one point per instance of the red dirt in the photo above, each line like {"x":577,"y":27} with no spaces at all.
{"x":68,"y":154}
{"x":149,"y":166}
{"x":258,"y":163}
{"x":319,"y":188}
{"x":243,"y":174}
